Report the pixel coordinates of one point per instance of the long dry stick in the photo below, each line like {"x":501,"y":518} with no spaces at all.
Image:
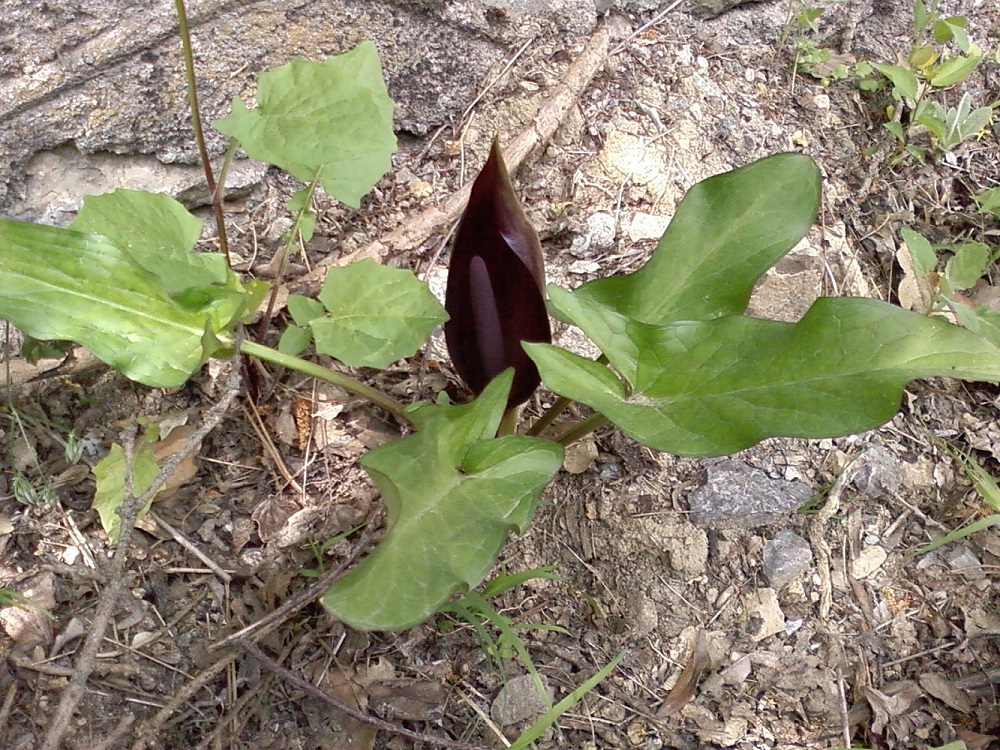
{"x":817,"y":529}
{"x":116,"y":579}
{"x":550,"y":116}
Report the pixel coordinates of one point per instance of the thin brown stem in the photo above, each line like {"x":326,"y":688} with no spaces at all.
{"x":293,"y":235}
{"x":199,"y":131}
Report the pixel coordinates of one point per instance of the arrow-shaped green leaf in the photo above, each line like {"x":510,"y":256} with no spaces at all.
{"x":452,"y":492}
{"x":714,"y":387}
{"x":727,"y":231}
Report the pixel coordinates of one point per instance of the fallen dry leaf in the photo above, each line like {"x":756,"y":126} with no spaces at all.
{"x":31,"y":625}
{"x":887,"y":707}
{"x":941,"y":688}
{"x":915,"y":291}
{"x":186,"y":470}
{"x":687,"y":682}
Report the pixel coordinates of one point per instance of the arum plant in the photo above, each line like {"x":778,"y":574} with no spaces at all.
{"x":683,"y":368}
{"x":496,"y":287}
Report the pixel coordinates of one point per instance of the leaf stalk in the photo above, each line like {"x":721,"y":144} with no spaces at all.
{"x":338,"y":379}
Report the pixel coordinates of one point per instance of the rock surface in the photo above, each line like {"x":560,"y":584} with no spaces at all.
{"x":737,"y":495}
{"x":786,"y":556}
{"x":96,"y":78}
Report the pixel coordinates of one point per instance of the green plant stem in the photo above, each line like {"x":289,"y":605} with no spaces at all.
{"x":562,"y":403}
{"x":199,"y":131}
{"x":591,"y":423}
{"x":508,"y":424}
{"x":338,"y":379}
{"x":227,"y":161}
{"x":293,"y":233}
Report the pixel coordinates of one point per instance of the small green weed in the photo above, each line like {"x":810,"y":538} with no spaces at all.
{"x":927,"y":290}
{"x":941,"y":55}
{"x":984,"y":483}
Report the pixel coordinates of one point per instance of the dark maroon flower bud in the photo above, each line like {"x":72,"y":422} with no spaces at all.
{"x":496,"y":286}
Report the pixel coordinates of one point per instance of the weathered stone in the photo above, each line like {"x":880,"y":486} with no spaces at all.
{"x":786,"y":556}
{"x":737,"y":495}
{"x":766,"y":617}
{"x":879,"y":474}
{"x":108,"y":76}
{"x":963,"y":560}
{"x":519,"y":700}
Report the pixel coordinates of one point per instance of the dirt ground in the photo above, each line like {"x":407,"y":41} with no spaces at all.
{"x":903,"y":652}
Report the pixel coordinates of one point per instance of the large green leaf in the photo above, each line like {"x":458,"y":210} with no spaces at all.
{"x":158,"y":232}
{"x":703,"y":388}
{"x":377,"y":314}
{"x":727,"y":231}
{"x":452,"y":493}
{"x":63,"y":284}
{"x":331,"y":120}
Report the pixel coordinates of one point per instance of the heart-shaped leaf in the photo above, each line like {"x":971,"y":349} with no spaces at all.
{"x":377,"y":314}
{"x":330,"y":120}
{"x":452,"y":494}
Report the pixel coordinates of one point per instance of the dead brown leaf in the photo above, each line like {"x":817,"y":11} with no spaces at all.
{"x":683,"y":690}
{"x":271,"y":515}
{"x":186,"y":470}
{"x":942,"y":688}
{"x":31,"y":625}
{"x":915,"y":291}
{"x":888,"y":707}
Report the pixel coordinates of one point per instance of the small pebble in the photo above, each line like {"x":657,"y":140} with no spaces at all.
{"x":610,"y":471}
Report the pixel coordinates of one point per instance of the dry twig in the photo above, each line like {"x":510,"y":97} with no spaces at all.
{"x":817,"y":529}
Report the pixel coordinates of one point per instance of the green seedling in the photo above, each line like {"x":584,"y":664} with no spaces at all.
{"x":985,"y":484}
{"x":927,"y":290}
{"x":319,"y":550}
{"x":931,"y":66}
{"x":476,"y":610}
{"x":989,"y":201}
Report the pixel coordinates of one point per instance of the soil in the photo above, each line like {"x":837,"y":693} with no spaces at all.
{"x":904,"y":651}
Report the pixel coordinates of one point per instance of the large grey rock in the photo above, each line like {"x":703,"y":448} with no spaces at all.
{"x":107,"y":76}
{"x":737,"y":495}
